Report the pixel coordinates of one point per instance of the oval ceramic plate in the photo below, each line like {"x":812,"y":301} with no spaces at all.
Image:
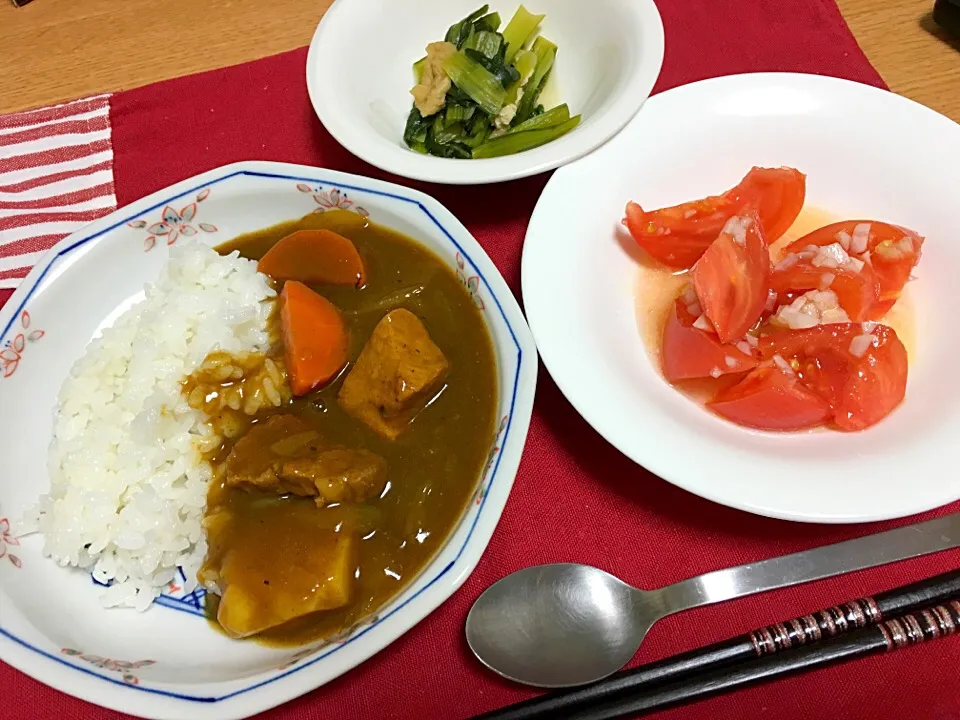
{"x":168,"y":662}
{"x":867,"y":153}
{"x":359,"y":77}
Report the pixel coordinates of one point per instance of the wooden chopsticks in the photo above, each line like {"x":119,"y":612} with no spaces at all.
{"x":908,"y":615}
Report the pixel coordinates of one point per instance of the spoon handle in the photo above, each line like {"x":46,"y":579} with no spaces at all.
{"x":837,"y":559}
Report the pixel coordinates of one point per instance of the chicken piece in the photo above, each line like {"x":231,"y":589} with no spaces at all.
{"x":430,"y":94}
{"x":399,"y":370}
{"x":283,"y":455}
{"x":276,"y":564}
{"x":340,"y":475}
{"x":253,"y":462}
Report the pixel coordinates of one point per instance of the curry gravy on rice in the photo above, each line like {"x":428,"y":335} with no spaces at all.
{"x":323,"y":507}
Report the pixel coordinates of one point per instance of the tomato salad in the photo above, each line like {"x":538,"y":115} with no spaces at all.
{"x":793,"y":341}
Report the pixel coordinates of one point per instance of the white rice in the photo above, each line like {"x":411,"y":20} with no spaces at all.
{"x":127,"y":481}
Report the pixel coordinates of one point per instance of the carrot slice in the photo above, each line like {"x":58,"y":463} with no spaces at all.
{"x":314,"y":256}
{"x":314,"y":337}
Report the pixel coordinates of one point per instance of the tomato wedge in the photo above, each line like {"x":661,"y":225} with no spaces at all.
{"x":771,"y":399}
{"x":891,"y":250}
{"x":689,"y":352}
{"x":778,"y":194}
{"x":677,"y":236}
{"x":857,"y":291}
{"x":860,"y":370}
{"x":731,"y":278}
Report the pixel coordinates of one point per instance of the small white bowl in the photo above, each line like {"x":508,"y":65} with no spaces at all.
{"x":359,"y":78}
{"x":867,"y":154}
{"x":168,"y":662}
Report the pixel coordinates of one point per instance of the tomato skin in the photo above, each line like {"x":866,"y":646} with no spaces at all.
{"x":778,"y":194}
{"x":857,"y":292}
{"x":671,"y":238}
{"x":688,"y":352}
{"x":732,"y":279}
{"x":891,"y":260}
{"x":770,"y":399}
{"x":677,"y":236}
{"x":860,"y":390}
{"x":878,"y":387}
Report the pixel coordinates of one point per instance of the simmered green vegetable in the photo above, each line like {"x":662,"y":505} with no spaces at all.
{"x":546,"y":53}
{"x":518,"y":142}
{"x":484,"y":42}
{"x":458,"y":34}
{"x":520,"y":28}
{"x":559,"y":114}
{"x":458,"y":113}
{"x":416,"y":129}
{"x":418,"y":68}
{"x":478,"y":91}
{"x":483,"y":87}
{"x":489,"y":22}
{"x":525,"y":63}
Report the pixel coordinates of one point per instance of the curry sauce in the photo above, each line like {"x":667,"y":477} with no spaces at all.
{"x":432,"y":467}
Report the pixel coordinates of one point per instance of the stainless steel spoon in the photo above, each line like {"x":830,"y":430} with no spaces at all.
{"x":566,"y":624}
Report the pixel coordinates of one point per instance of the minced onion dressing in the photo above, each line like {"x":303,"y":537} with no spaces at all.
{"x":658,"y":288}
{"x":737,"y":228}
{"x":815,"y":307}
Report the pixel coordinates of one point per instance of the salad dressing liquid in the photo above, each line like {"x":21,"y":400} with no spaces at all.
{"x":657,"y":287}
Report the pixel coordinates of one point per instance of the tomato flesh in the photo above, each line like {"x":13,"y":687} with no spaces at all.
{"x":689,"y":352}
{"x":893,"y":252}
{"x":678,"y":236}
{"x":861,"y":389}
{"x":770,"y":399}
{"x":732,"y":277}
{"x":857,"y":292}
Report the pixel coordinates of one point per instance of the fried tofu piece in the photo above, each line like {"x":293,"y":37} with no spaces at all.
{"x":399,"y":370}
{"x":430,"y":94}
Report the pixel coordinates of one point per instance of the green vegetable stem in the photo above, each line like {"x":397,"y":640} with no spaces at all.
{"x":518,"y":142}
{"x":521,"y":28}
{"x":483,"y":87}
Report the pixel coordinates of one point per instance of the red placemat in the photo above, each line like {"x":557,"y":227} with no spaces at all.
{"x":576,"y":498}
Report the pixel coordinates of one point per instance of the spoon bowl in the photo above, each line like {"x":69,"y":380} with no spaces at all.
{"x":559,"y":625}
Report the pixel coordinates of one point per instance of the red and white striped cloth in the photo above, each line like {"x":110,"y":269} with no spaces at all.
{"x":56,"y":175}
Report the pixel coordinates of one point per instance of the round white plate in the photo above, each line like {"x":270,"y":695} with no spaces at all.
{"x":867,"y":153}
{"x":168,"y":662}
{"x":359,"y":78}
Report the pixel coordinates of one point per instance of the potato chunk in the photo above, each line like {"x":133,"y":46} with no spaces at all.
{"x":276,"y":564}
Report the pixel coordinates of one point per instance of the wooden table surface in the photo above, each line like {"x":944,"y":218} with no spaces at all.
{"x":53,"y":50}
